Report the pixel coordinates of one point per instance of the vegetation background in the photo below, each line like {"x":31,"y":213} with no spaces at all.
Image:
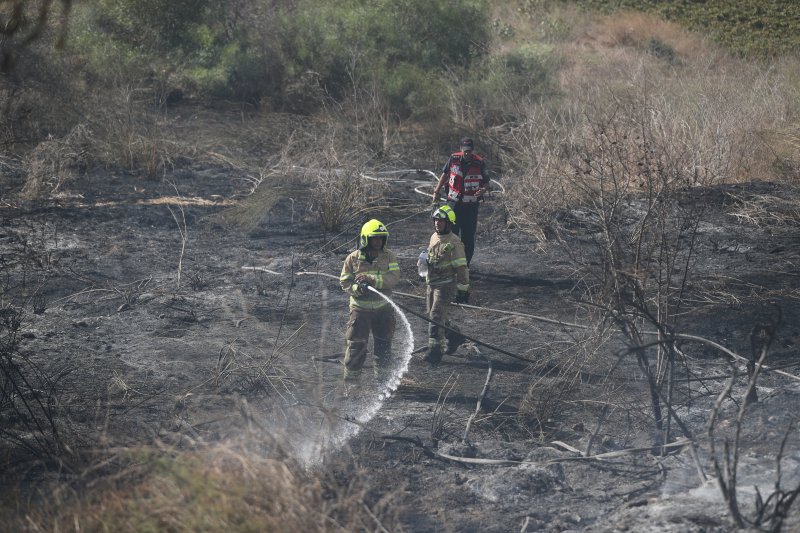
{"x":704,"y":93}
{"x":97,"y":83}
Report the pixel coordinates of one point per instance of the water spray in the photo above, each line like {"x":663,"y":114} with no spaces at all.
{"x":400,"y":366}
{"x":360,"y":405}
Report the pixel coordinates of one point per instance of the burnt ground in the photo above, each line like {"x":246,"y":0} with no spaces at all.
{"x":240,"y":340}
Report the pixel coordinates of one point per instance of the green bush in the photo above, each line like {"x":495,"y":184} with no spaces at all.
{"x":213,"y":76}
{"x":528,"y":70}
{"x":661,"y":50}
{"x":507,"y":84}
{"x":415,"y":94}
{"x":269,"y":53}
{"x":347,"y":38}
{"x":155,"y":24}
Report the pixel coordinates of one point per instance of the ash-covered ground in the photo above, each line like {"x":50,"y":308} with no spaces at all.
{"x":157,"y":320}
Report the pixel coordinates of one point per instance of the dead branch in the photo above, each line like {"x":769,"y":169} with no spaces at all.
{"x":733,"y":354}
{"x":599,"y":457}
{"x":726,"y":478}
{"x":775,"y":508}
{"x":600,"y":420}
{"x":482,"y":395}
{"x":182,"y":230}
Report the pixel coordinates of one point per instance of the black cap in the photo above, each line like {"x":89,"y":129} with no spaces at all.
{"x":467,"y":144}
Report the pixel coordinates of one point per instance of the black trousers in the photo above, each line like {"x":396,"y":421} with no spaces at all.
{"x":466,"y":225}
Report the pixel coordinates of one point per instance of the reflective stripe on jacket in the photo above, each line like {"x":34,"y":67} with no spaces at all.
{"x":384,"y":273}
{"x":447,"y":263}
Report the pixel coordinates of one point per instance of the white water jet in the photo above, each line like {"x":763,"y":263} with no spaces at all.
{"x":363,"y":403}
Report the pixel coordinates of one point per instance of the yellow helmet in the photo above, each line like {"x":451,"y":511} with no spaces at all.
{"x":373,"y":228}
{"x":444,"y":212}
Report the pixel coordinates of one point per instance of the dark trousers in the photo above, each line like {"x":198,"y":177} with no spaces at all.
{"x":466,"y":225}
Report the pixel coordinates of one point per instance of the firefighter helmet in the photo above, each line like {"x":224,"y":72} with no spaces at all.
{"x":373,"y":228}
{"x":444,"y":212}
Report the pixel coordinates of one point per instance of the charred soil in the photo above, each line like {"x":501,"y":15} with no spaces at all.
{"x":155,"y":320}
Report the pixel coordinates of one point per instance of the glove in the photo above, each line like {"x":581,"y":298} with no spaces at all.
{"x":361,"y":288}
{"x":362,"y":285}
{"x":462,"y":297}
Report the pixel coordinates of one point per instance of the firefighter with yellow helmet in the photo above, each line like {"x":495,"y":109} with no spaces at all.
{"x":371,"y":265}
{"x":447,"y":276}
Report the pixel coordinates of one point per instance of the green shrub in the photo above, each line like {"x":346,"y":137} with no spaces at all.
{"x":412,"y":93}
{"x":529,"y":70}
{"x":506,"y":85}
{"x":661,"y":50}
{"x":213,"y":76}
{"x":155,"y":24}
{"x":285,"y":54}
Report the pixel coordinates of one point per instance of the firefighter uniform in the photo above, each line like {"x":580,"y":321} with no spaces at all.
{"x":448,"y":274}
{"x":368,"y":311}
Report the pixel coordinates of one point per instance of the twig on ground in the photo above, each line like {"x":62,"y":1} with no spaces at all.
{"x":183,"y":231}
{"x":262,"y":269}
{"x":372,"y":515}
{"x":482,"y":395}
{"x":733,"y":354}
{"x":593,"y":436}
{"x":599,"y":457}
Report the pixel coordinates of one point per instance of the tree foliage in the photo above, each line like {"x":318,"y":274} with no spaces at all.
{"x":22,"y":23}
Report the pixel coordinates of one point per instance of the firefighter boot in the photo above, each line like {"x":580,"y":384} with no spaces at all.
{"x":454,"y":340}
{"x":434,"y":354}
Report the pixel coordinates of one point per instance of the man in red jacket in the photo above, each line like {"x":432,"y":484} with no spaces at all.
{"x":466,"y":180}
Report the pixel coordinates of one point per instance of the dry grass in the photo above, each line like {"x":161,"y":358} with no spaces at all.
{"x":707,"y":119}
{"x":130,"y":135}
{"x":764,"y":210}
{"x":778,"y":154}
{"x":54,"y":162}
{"x":116,"y":129}
{"x":341,"y":195}
{"x":252,"y":210}
{"x":642,"y":31}
{"x":317,"y":167}
{"x":227,"y":487}
{"x":560,"y":383}
{"x":338,"y":190}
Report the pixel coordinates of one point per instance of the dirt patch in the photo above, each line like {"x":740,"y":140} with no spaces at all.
{"x":163,"y":322}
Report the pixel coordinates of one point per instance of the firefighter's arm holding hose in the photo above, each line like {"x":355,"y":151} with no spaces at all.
{"x":347,"y":279}
{"x":387,"y":273}
{"x":384,"y":275}
{"x":359,"y":287}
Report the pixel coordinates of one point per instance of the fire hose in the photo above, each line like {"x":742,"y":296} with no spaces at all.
{"x":407,"y":309}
